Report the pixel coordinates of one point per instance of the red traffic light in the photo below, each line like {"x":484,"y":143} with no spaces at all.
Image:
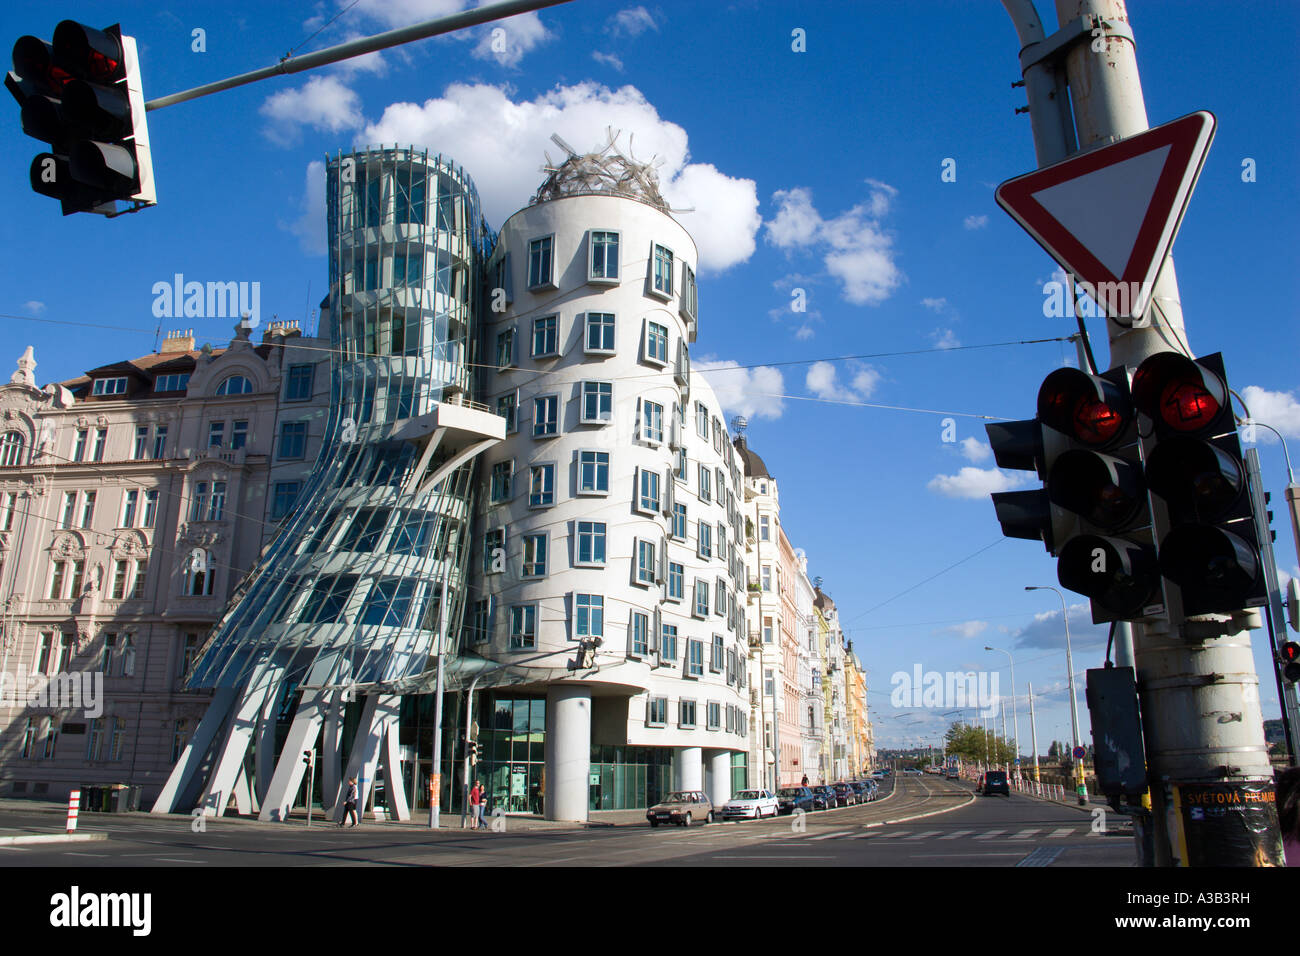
{"x":1179,"y":393}
{"x":1290,"y":654}
{"x":1092,"y":410}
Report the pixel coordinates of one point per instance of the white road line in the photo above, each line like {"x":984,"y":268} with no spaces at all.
{"x":894,"y":836}
{"x":1026,"y":834}
{"x":171,"y":859}
{"x":990,"y":835}
{"x":832,"y":836}
{"x":70,"y":853}
{"x":790,"y":857}
{"x":1061,"y":832}
{"x":927,"y":833}
{"x":956,"y":833}
{"x":949,"y":856}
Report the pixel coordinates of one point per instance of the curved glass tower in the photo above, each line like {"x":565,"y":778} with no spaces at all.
{"x":351,"y":596}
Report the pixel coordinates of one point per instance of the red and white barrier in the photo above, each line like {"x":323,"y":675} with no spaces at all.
{"x":74,"y":804}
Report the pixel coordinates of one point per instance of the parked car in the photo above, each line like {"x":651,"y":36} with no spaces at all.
{"x":845,"y":795}
{"x":682,"y":807}
{"x":995,"y":781}
{"x":823,"y":797}
{"x":863,"y":789}
{"x":873,"y":789}
{"x":879,"y":774}
{"x":750,"y":805}
{"x":790,"y":799}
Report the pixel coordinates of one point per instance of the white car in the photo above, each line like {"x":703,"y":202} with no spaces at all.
{"x":750,"y":805}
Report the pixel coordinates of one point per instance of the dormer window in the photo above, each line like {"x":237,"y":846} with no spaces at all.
{"x":109,"y":386}
{"x":234,"y":385}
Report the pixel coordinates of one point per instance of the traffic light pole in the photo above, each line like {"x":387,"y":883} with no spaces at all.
{"x":1190,"y":674}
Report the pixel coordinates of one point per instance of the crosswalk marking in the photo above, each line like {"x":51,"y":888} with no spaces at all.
{"x":990,"y":835}
{"x":831,"y":836}
{"x":957,"y":833}
{"x":1026,"y":834}
{"x":1060,"y":832}
{"x":928,"y":833}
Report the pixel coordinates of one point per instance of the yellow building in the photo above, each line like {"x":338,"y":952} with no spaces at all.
{"x":861,"y":739}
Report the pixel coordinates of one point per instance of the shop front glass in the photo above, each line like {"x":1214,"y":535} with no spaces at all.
{"x":512,"y":742}
{"x":628,"y":778}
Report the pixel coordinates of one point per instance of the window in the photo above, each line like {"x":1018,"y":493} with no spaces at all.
{"x":216,"y":434}
{"x":604,"y":256}
{"x":676,"y":581}
{"x":141,"y":442}
{"x":656,"y":711}
{"x":715,"y":716}
{"x":546,"y":340}
{"x":101,"y":439}
{"x":159,"y":442}
{"x":501,"y":281}
{"x":679,"y":470}
{"x":138,"y":581}
{"x":652,"y":422}
{"x":523,"y":627}
{"x":108,"y":654}
{"x":600,"y":333}
{"x":117,"y":743}
{"x":293,"y":440}
{"x":668,"y":644}
{"x":689,"y":303}
{"x":718,"y":655}
{"x":180,"y":737}
{"x":502,"y":472}
{"x":494,"y":551}
{"x":640,"y":635}
{"x":705,"y":544}
{"x":647,"y":490}
{"x":541,"y":485}
{"x":172,"y":383}
{"x":722,"y":540}
{"x":593,"y":472}
{"x":767,"y":578}
{"x":29,"y":739}
{"x":764,"y":530}
{"x":11,"y":449}
{"x":129,"y":503}
{"x":706,"y":484}
{"x":597,"y":402}
{"x":702,"y":420}
{"x":189,"y":652}
{"x":298,"y":383}
{"x":78,"y":448}
{"x":480,"y":621}
{"x":95,"y":739}
{"x":546,"y":415}
{"x":43,"y":649}
{"x":767,"y":630}
{"x":646,"y":565}
{"x":69,"y":513}
{"x":8,"y":505}
{"x":539,"y":262}
{"x":591,"y":543}
{"x":721,"y":485}
{"x":284,"y":498}
{"x":150,"y":508}
{"x":235,"y":385}
{"x":662,"y":276}
{"x":508,"y":408}
{"x":701,"y":598}
{"x":505,"y":348}
{"x":682,"y":373}
{"x":720,"y":598}
{"x":238,"y":434}
{"x":365,"y":531}
{"x":717,"y":442}
{"x":694,"y":658}
{"x":656,"y":343}
{"x":199,"y":501}
{"x":686,"y":713}
{"x":109,"y":386}
{"x":588,"y":616}
{"x":388,"y":603}
{"x":679,"y":522}
{"x":535,"y":555}
{"x":199,"y":575}
{"x":51,"y":736}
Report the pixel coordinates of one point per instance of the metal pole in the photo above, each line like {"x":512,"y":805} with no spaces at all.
{"x":1033,"y":732}
{"x":1080,"y":787}
{"x":1015,"y":712}
{"x":360,"y":47}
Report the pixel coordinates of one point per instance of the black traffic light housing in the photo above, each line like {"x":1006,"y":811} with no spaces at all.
{"x":82,"y":94}
{"x":1195,"y":465}
{"x":1290,"y":655}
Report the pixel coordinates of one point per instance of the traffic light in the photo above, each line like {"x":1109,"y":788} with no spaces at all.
{"x":473,"y":752}
{"x":307,"y":757}
{"x":1194,"y":463}
{"x":1290,"y":654}
{"x":82,"y":94}
{"x":1018,"y":446}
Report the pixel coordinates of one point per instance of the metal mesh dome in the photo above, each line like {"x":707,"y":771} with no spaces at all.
{"x":606,"y":172}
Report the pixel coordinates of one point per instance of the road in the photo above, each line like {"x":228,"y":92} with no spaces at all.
{"x":924,"y":821}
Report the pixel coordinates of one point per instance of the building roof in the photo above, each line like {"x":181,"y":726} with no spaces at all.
{"x":754,"y":467}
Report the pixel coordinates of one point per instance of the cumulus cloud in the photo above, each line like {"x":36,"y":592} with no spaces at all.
{"x":609,"y":59}
{"x":501,"y":142}
{"x":972,"y":482}
{"x":309,"y":227}
{"x":945,"y":339}
{"x":823,"y":381}
{"x":1047,"y":631}
{"x":975,"y":222}
{"x":1278,"y":409}
{"x":965,"y":628}
{"x":854,"y":247}
{"x":973,"y":449}
{"x":752,"y":392}
{"x":632,"y":22}
{"x":506,"y":41}
{"x":34,"y":306}
{"x":324,"y":103}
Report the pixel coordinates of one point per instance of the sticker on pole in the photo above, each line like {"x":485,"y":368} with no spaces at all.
{"x":1109,"y":216}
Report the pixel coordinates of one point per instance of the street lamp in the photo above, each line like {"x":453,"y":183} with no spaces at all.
{"x":1015,"y":713}
{"x":1079,"y":786}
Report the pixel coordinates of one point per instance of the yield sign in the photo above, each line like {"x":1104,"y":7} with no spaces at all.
{"x":1109,"y":216}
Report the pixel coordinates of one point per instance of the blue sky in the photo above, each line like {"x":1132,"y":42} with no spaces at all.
{"x":818,"y":170}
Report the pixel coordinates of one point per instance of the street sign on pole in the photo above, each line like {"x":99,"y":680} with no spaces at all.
{"x":1109,"y":216}
{"x":1078,"y":753}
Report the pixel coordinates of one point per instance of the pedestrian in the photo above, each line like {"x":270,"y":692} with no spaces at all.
{"x":1288,"y":813}
{"x":475,"y":795}
{"x":482,"y":809}
{"x":804,"y":782}
{"x":350,"y":804}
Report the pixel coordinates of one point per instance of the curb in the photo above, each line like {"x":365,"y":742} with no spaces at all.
{"x":53,"y":838}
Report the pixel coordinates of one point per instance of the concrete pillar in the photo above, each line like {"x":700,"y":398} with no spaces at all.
{"x":720,"y":776}
{"x":568,"y":751}
{"x":690,"y":768}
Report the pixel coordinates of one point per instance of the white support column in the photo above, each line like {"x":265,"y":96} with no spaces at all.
{"x":289,"y":769}
{"x":392,"y":760}
{"x":243,"y":794}
{"x":568,"y":751}
{"x":264,"y":748}
{"x":690,"y":768}
{"x":331,"y":746}
{"x":229,"y":763}
{"x":720,"y":772}
{"x":181,"y":777}
{"x":377,"y":714}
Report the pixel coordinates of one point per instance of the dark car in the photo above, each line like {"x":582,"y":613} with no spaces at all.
{"x":995,"y":781}
{"x":790,"y":799}
{"x":862,"y":789}
{"x":845,"y":795}
{"x":823,"y":797}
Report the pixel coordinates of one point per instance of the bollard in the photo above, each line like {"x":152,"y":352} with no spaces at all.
{"x":74,"y":804}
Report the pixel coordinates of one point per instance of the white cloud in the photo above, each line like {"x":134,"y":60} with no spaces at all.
{"x":975,"y":222}
{"x":973,"y":482}
{"x":804,"y":332}
{"x":854,"y":247}
{"x":324,"y":103}
{"x":945,"y":339}
{"x":506,"y":41}
{"x":935,"y":305}
{"x":1278,"y":409}
{"x":965,"y":629}
{"x":403,"y":13}
{"x":823,"y":381}
{"x":632,"y":22}
{"x":34,"y":306}
{"x":752,"y":392}
{"x":501,"y":142}
{"x":973,"y":449}
{"x":1046,"y":630}
{"x":609,"y":59}
{"x":309,"y":227}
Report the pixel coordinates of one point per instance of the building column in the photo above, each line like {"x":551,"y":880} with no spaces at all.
{"x":720,"y":771}
{"x":690,"y":768}
{"x":568,"y":751}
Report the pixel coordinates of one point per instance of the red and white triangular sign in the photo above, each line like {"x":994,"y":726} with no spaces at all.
{"x":1109,"y":216}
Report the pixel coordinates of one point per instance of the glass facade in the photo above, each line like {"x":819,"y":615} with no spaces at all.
{"x":629,"y":778}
